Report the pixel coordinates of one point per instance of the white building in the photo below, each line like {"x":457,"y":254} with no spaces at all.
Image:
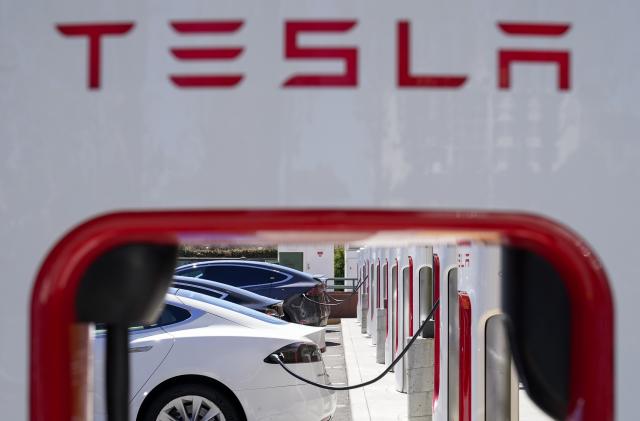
{"x":316,"y":259}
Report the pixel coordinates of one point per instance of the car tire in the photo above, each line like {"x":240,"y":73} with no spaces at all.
{"x":173,"y":399}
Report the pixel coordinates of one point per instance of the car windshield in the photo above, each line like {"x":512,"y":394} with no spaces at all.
{"x":229,"y":306}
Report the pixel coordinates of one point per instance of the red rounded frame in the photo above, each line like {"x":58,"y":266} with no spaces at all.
{"x":54,"y":388}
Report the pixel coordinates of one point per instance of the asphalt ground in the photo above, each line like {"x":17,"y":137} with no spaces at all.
{"x":337,"y":369}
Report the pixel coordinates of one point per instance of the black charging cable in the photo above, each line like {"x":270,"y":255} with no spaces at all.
{"x":276,"y":358}
{"x":336,"y":302}
{"x":117,"y":372}
{"x":319,"y":303}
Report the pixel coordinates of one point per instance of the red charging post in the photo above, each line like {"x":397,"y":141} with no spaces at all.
{"x":464,"y":306}
{"x":386,"y":296}
{"x":436,"y":333}
{"x":378,"y":284}
{"x":397,"y":296}
{"x":410,"y":296}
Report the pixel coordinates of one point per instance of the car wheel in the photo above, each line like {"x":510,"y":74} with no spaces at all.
{"x":192,"y":402}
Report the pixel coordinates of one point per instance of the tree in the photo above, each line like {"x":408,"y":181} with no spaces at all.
{"x":338,"y":261}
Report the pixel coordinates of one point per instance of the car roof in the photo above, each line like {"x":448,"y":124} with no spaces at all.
{"x":225,"y":309}
{"x":230,"y":289}
{"x":247,"y":263}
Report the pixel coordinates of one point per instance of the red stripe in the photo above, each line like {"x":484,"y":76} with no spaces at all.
{"x":397,"y":296}
{"x":378,"y":285}
{"x":534,"y":29}
{"x":95,"y":29}
{"x":206,"y":53}
{"x":218,"y":26}
{"x":465,"y":357}
{"x":410,"y":296}
{"x":386,"y":297}
{"x":206,"y":81}
{"x":436,"y":345}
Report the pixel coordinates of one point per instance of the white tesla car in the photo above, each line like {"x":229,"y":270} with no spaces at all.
{"x":206,"y":362}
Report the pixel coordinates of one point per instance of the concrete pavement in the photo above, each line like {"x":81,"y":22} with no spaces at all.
{"x":376,"y":402}
{"x":380,"y":401}
{"x":334,"y":362}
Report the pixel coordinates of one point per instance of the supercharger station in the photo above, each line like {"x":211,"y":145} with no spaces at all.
{"x":385,"y":302}
{"x":374,"y":296}
{"x":392,"y":306}
{"x":445,"y":268}
{"x":58,"y":377}
{"x":368,"y":293}
{"x":95,"y":122}
{"x":409,"y":301}
{"x":480,"y":373}
{"x":399,"y":318}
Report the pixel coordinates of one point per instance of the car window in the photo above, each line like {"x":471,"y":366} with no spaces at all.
{"x":196,"y":272}
{"x":239,"y":299}
{"x":241,"y":276}
{"x":202,"y":290}
{"x":229,"y":306}
{"x":170,"y":314}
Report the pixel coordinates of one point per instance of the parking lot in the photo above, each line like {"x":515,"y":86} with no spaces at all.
{"x":336,"y":367}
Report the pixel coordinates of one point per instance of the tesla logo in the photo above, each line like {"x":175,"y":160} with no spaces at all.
{"x":294,"y":50}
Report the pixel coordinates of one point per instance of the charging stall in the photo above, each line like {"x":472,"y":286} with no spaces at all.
{"x":369,"y":297}
{"x":400,"y":317}
{"x":409,"y":303}
{"x":375,"y":295}
{"x":445,"y":268}
{"x":486,"y":284}
{"x":481,"y":379}
{"x":359,"y":290}
{"x":392,"y":307}
{"x":386,"y":302}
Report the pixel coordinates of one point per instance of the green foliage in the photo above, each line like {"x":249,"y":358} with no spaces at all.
{"x":191,"y":251}
{"x":338,"y":261}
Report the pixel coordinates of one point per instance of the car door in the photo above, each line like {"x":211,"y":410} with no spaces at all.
{"x":148,"y":347}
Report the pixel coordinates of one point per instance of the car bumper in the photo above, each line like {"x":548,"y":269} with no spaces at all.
{"x":287,"y":403}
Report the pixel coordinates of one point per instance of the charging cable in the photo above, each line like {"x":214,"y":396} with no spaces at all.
{"x":336,"y":301}
{"x":276,"y":358}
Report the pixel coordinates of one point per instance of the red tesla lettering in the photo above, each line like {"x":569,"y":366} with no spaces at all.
{"x":94,"y":32}
{"x":559,"y":57}
{"x":406,"y":79}
{"x":464,"y":262}
{"x":209,"y":53}
{"x":348,"y":55}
